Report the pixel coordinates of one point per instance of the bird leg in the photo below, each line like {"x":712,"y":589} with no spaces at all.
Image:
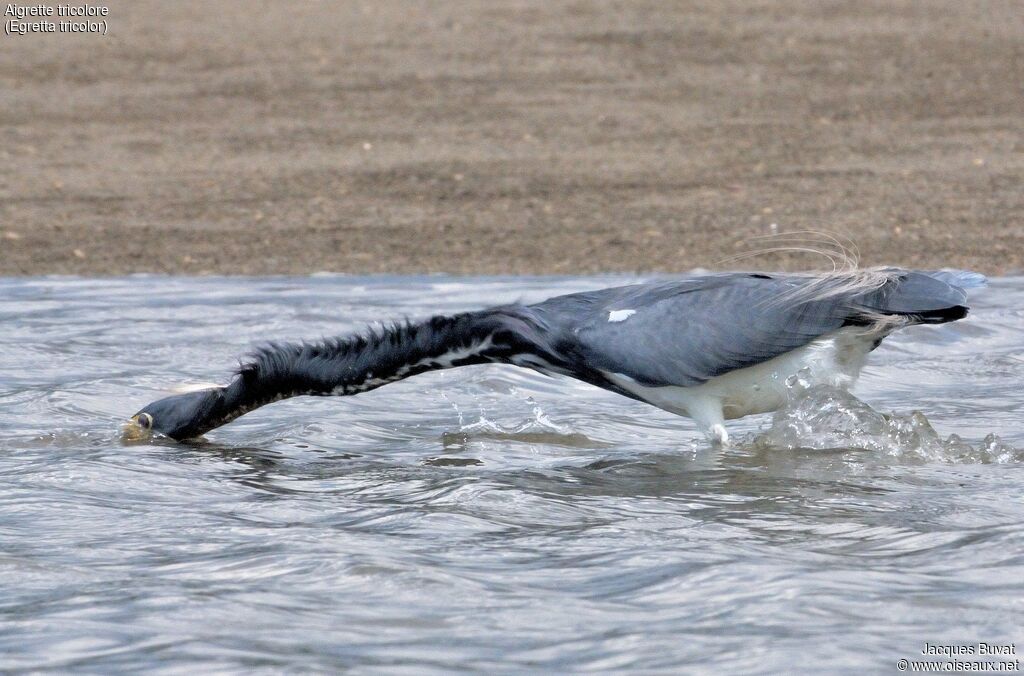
{"x":707,"y":413}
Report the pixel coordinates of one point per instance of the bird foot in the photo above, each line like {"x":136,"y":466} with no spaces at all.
{"x":717,"y":435}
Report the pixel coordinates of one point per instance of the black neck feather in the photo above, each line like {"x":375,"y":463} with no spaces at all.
{"x":362,"y":362}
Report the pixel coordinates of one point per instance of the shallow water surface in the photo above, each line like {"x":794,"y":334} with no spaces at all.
{"x":488,"y":517}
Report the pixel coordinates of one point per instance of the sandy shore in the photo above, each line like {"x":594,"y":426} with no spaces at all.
{"x":525,"y":137}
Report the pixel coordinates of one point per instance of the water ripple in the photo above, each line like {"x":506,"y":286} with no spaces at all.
{"x":487,"y":518}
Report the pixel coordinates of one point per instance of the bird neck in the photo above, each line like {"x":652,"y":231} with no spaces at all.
{"x":362,"y":362}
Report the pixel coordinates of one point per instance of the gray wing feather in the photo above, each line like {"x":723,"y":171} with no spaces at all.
{"x":724,"y":324}
{"x":688,"y":331}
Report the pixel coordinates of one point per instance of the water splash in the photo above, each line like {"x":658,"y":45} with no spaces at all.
{"x":539,"y":429}
{"x":827,"y":418}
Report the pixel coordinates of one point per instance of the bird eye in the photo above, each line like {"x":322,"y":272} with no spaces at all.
{"x":145,"y":420}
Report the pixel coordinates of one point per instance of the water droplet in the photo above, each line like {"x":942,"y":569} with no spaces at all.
{"x":799,"y":382}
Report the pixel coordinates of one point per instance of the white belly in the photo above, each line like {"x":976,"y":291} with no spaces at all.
{"x":834,"y":359}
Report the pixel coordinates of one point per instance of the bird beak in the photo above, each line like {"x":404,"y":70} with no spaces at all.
{"x":134,"y":430}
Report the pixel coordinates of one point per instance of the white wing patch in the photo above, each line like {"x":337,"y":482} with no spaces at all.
{"x":187,"y":388}
{"x":620,"y":315}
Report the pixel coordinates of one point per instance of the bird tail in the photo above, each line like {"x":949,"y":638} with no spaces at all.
{"x":923,"y":297}
{"x":964,"y":279}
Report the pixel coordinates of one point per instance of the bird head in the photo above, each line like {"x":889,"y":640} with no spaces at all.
{"x":181,"y":416}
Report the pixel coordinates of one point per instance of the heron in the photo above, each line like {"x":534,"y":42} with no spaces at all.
{"x":711,"y":347}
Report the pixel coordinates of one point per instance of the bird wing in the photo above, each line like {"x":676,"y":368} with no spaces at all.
{"x":700,"y":329}
{"x":687,"y":331}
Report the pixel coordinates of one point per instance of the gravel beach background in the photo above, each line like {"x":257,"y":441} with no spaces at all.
{"x":514,"y":137}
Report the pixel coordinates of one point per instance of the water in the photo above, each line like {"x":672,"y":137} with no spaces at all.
{"x":488,"y":517}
